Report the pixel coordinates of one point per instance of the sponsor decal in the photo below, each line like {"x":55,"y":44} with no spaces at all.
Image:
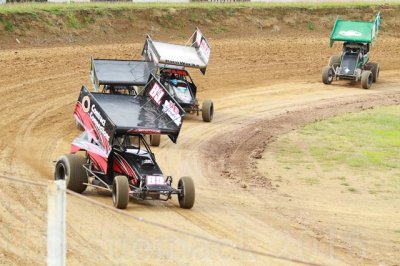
{"x":99,"y":122}
{"x":155,"y":180}
{"x":172,"y":111}
{"x":171,"y":62}
{"x":156,"y":93}
{"x":86,"y":104}
{"x":205,"y":49}
{"x":145,"y":131}
{"x":96,"y":117}
{"x":350,"y":33}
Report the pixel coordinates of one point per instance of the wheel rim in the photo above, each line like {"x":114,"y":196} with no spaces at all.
{"x":61,"y":173}
{"x":330,"y":76}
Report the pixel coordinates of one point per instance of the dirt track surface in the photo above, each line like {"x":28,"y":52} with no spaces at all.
{"x":261,"y":88}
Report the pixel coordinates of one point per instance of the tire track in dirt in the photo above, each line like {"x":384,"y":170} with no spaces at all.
{"x":237,"y":164}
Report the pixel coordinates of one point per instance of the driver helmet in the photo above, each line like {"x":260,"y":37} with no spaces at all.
{"x":174,"y":82}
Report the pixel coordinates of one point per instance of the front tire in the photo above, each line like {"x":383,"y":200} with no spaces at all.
{"x":207,"y":110}
{"x":120,"y":192}
{"x":69,"y":167}
{"x":327,"y":75}
{"x":366,"y":79}
{"x":187,"y":195}
{"x":155,"y":140}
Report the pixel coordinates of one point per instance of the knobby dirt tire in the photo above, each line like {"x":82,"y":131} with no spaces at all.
{"x":207,"y":111}
{"x":187,"y":197}
{"x":69,"y":167}
{"x":120,"y":192}
{"x":366,"y":79}
{"x":327,"y":75}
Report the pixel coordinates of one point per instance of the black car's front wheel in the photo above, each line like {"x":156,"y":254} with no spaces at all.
{"x":120,"y":192}
{"x":187,"y":192}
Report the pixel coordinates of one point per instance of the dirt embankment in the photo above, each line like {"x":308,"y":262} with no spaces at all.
{"x":110,"y":25}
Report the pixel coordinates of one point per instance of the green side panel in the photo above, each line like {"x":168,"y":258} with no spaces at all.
{"x":353,"y":31}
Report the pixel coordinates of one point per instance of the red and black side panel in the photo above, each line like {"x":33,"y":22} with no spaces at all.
{"x":97,"y":155}
{"x":93,"y":119}
{"x":120,"y":165}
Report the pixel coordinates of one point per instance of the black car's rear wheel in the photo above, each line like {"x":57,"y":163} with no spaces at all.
{"x":207,"y":110}
{"x":187,"y":195}
{"x":120,"y":192}
{"x":69,"y":167}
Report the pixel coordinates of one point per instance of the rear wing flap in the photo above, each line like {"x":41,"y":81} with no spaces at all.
{"x":120,"y":72}
{"x":195,"y":55}
{"x":103,"y":115}
{"x":355,"y":31}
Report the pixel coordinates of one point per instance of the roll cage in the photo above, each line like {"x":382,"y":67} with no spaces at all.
{"x":132,"y":141}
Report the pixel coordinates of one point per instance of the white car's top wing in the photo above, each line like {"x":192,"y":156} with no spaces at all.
{"x":195,"y":55}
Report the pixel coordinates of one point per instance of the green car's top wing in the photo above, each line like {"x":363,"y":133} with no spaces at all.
{"x":355,"y":31}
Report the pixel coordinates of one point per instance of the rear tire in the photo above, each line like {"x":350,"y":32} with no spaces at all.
{"x":69,"y":167}
{"x":327,"y":75}
{"x":334,"y":60}
{"x":120,"y":192}
{"x":187,"y":196}
{"x":207,"y":110}
{"x":155,"y":140}
{"x":366,"y":79}
{"x":374,"y":68}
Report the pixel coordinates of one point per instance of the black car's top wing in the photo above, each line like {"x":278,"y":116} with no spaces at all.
{"x":196,"y":54}
{"x":120,"y":72}
{"x":104,"y":115}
